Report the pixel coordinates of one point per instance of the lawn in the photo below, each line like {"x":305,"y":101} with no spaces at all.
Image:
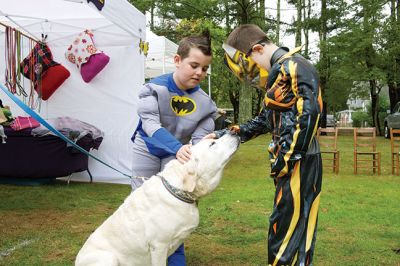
{"x":359,"y":219}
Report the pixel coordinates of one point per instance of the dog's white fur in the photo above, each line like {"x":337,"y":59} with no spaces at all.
{"x":151,"y":223}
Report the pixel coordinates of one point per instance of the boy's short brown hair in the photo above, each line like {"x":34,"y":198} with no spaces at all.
{"x":246,"y":36}
{"x":202,"y":42}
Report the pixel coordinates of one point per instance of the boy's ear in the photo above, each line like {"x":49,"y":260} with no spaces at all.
{"x":257,"y":48}
{"x":177,"y":59}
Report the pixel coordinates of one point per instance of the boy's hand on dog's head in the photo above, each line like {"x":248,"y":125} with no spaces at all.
{"x":210,"y":136}
{"x":184,"y":153}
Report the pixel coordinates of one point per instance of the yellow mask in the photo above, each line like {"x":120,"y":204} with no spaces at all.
{"x":244,"y":68}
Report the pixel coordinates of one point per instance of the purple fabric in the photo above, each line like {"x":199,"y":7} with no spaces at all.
{"x":37,"y":157}
{"x":70,"y":127}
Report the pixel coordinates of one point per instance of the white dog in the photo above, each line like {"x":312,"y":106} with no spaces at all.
{"x":155,"y":219}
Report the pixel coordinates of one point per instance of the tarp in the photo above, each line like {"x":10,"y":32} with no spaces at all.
{"x":160,"y":59}
{"x":109,"y":100}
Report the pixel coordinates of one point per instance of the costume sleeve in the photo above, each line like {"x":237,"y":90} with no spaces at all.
{"x":204,"y":127}
{"x":299,"y":124}
{"x":207,"y":124}
{"x":150,"y":118}
{"x":256,"y":126}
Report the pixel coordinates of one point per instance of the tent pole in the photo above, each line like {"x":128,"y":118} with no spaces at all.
{"x":209,"y":81}
{"x":163,"y":59}
{"x":209,"y":85}
{"x":23,"y":34}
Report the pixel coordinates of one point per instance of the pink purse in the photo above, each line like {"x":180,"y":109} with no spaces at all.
{"x":84,"y":54}
{"x":22,"y":122}
{"x":93,"y":66}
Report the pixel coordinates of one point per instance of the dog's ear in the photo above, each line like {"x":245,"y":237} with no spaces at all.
{"x":190,"y":177}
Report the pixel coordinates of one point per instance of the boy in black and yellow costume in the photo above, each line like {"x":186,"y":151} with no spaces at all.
{"x":291,"y":111}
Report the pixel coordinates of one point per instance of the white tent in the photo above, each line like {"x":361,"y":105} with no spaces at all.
{"x":160,"y":59}
{"x":109,"y":100}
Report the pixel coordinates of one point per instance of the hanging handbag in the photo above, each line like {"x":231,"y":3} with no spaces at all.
{"x":46,"y":74}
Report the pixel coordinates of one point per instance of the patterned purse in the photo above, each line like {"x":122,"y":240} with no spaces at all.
{"x":46,"y":74}
{"x":87,"y":58}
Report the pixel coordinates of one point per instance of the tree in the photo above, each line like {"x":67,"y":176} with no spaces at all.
{"x":391,"y":52}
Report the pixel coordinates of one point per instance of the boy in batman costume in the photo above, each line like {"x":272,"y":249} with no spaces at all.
{"x":174,"y":114}
{"x":290,"y":112}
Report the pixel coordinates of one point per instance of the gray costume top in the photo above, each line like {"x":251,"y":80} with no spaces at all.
{"x":170,"y":117}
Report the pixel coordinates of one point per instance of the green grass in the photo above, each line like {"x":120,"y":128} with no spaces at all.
{"x":359,"y":219}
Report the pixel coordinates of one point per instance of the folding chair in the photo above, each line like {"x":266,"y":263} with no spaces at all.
{"x":395,"y":146}
{"x":365,"y":153}
{"x":327,"y":138}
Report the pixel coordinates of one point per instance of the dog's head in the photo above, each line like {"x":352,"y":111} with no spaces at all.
{"x":202,"y":173}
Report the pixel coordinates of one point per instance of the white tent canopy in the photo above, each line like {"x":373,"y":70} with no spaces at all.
{"x":109,"y":100}
{"x":160,"y":59}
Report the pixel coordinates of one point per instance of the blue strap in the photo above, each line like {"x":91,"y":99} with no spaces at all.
{"x":38,"y":118}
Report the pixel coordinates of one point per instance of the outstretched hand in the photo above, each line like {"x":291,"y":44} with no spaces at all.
{"x":184,"y":153}
{"x":210,"y":136}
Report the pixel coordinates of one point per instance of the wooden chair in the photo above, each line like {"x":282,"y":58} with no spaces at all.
{"x":327,"y":138}
{"x":395,"y":147}
{"x":365,"y":150}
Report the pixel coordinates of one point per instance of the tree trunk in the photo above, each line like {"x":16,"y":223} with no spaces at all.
{"x":152,"y":17}
{"x":375,"y":105}
{"x":298,"y":22}
{"x":306,"y":18}
{"x":324,"y":67}
{"x":369,"y":56}
{"x":234,"y":98}
{"x":245,"y":93}
{"x":245,"y":103}
{"x":393,"y":96}
{"x":262,"y":14}
{"x":278,"y":21}
{"x":227,"y":20}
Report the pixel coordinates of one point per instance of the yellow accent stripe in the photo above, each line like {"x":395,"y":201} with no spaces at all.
{"x":269,"y":102}
{"x":295,"y":188}
{"x":290,"y":53}
{"x":293,"y":75}
{"x":294,"y":141}
{"x":279,"y":78}
{"x":315,"y":128}
{"x":312,"y":220}
{"x":295,"y":259}
{"x":299,"y":104}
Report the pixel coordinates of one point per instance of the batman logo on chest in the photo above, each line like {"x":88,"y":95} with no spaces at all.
{"x":182,"y":105}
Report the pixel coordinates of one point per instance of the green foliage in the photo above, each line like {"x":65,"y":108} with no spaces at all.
{"x":361,"y":119}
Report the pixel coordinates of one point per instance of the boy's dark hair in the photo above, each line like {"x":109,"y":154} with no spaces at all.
{"x":202,"y":42}
{"x":246,"y":36}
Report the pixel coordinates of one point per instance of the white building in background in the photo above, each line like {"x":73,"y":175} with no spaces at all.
{"x":357,"y":104}
{"x":344,"y":117}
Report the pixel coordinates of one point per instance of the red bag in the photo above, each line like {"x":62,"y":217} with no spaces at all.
{"x":46,"y":74}
{"x":51,"y":80}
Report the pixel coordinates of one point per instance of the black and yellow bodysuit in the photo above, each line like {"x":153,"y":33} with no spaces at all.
{"x":290,"y":112}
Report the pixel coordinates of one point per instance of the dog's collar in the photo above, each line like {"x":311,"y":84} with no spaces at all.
{"x":180,"y":194}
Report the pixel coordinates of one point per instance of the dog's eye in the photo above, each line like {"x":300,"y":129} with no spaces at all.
{"x":212,"y":143}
